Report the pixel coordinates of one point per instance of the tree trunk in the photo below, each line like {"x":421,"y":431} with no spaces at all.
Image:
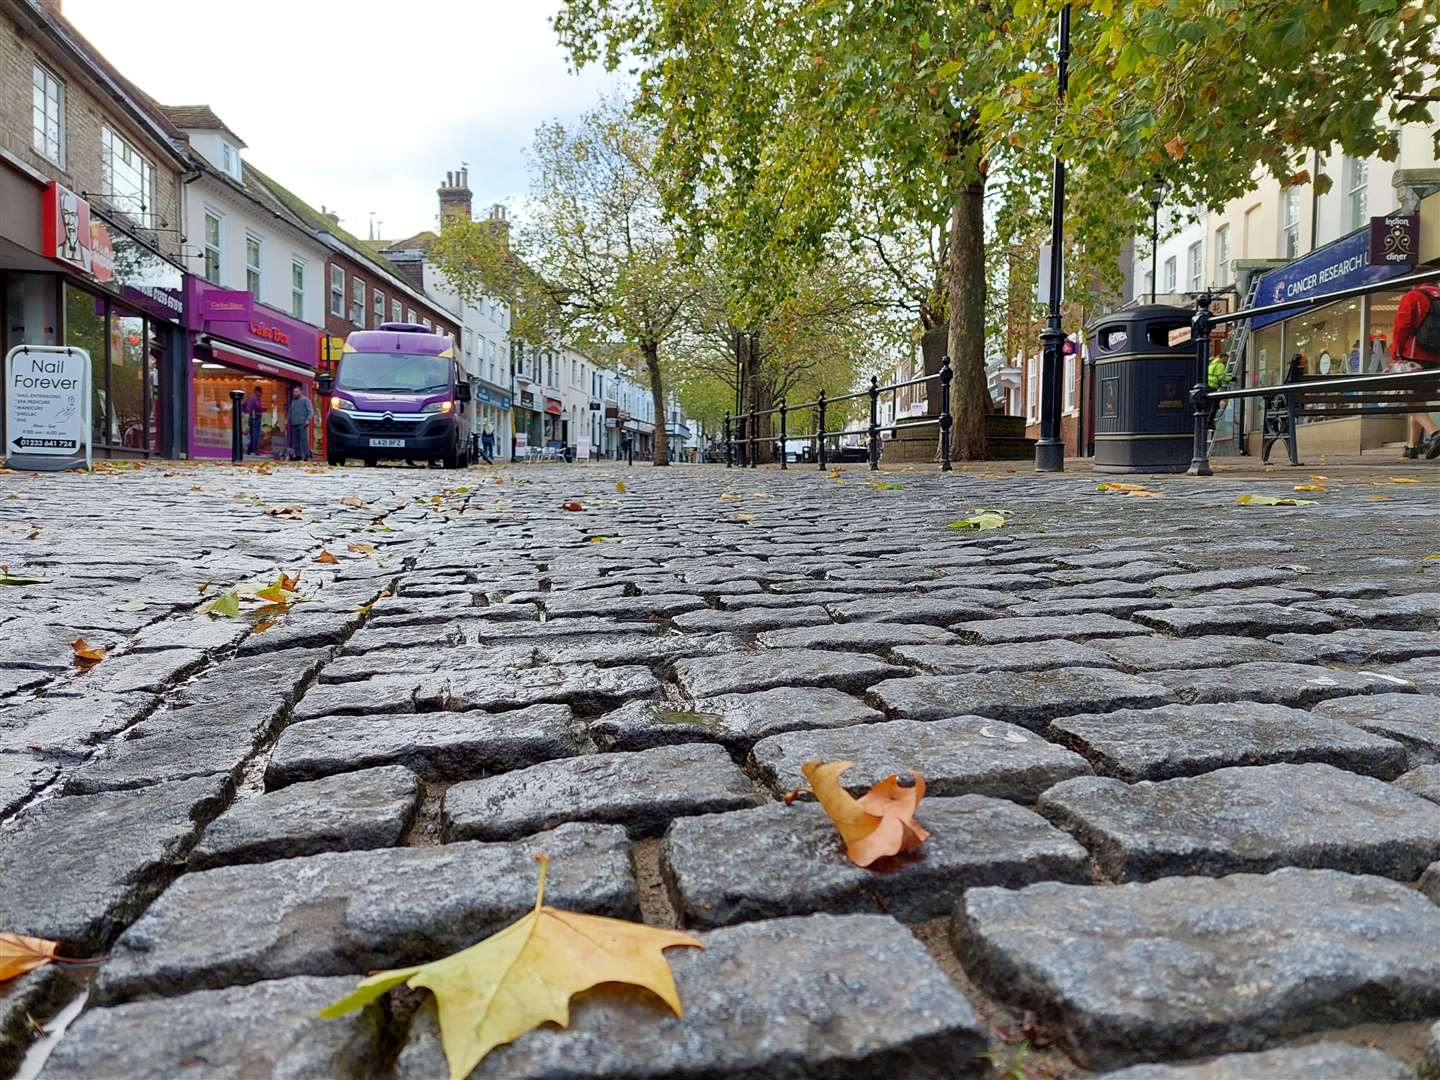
{"x":969,"y":394}
{"x":657,"y":392}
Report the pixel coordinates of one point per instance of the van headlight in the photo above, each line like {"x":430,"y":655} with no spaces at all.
{"x":343,"y":404}
{"x":438,"y":406}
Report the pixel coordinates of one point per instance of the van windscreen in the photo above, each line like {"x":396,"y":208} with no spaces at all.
{"x":393,"y":373}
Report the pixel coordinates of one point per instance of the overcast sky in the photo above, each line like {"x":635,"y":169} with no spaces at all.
{"x":360,"y":105}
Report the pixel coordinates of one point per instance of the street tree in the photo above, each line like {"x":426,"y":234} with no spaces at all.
{"x":594,"y":262}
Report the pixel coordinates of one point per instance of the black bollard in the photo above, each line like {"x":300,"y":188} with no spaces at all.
{"x":237,"y":447}
{"x":874,"y":423}
{"x":945,"y":419}
{"x":820,"y":445}
{"x":729,"y":444}
{"x":784,"y":450}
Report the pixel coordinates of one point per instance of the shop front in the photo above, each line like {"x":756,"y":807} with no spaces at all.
{"x":493,"y":408}
{"x":528,"y":422}
{"x":237,"y":343}
{"x":94,"y":285}
{"x":554,"y":423}
{"x":1349,"y":337}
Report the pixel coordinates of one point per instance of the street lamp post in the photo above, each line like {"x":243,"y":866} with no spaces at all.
{"x":1157,"y":195}
{"x":1049,"y":450}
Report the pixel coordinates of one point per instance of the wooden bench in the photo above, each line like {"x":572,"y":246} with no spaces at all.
{"x":1284,"y":409}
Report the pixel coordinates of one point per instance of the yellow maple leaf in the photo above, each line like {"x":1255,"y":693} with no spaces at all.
{"x":525,"y":975}
{"x":881,"y":822}
{"x":19,"y":954}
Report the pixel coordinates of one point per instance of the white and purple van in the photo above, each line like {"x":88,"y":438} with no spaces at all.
{"x":399,"y":392}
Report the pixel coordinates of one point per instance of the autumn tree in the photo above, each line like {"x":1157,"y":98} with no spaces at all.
{"x":781,"y":119}
{"x":594,"y":262}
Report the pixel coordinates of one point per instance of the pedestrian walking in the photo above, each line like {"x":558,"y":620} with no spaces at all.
{"x":254,"y":409}
{"x":1415,"y":346}
{"x":301,"y":412}
{"x":487,"y":443}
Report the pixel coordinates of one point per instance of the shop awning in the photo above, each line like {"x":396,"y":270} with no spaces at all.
{"x":223,"y":349}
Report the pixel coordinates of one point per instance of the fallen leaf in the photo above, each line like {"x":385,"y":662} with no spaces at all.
{"x":290,"y":513}
{"x":1309,"y":487}
{"x":1138,"y":490}
{"x":1272,"y":500}
{"x":352,"y":500}
{"x":325,"y":558}
{"x":1379,"y":498}
{"x":87,"y":655}
{"x":289,"y":582}
{"x":572,"y":506}
{"x":128,"y":605}
{"x":19,"y":954}
{"x":524,"y":976}
{"x":888,"y":486}
{"x":1403,"y":480}
{"x":981,"y":519}
{"x":34,"y":533}
{"x":361,"y":549}
{"x":730,"y":495}
{"x":742,"y":517}
{"x":1322,"y":479}
{"x":620,"y":486}
{"x":6,"y":578}
{"x":603,"y":539}
{"x":225,"y":606}
{"x":881,"y":822}
{"x":196,"y":487}
{"x":261,"y":627}
{"x":276,"y":594}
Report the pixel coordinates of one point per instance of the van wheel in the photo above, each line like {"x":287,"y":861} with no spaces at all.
{"x":452,"y":456}
{"x":334,"y":459}
{"x":369,"y":462}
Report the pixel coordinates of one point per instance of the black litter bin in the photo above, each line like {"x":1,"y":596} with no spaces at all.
{"x":1143,"y":419}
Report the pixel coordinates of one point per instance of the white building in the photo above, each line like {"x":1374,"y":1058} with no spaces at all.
{"x":1177,"y":260}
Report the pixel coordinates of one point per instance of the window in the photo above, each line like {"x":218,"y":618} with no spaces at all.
{"x":1290,"y":223}
{"x":395,"y":311}
{"x":469,"y":341}
{"x":230,"y":160}
{"x":1032,"y":399}
{"x":357,"y":302}
{"x":427,"y":324}
{"x":1357,"y":180}
{"x":128,"y":176}
{"x":1194,"y":268}
{"x":378,"y":300}
{"x":297,"y":288}
{"x":410,"y":316}
{"x":1070,"y":364}
{"x":337,"y":291}
{"x":212,"y":248}
{"x":1222,"y":255}
{"x":1170,"y":280}
{"x":48,"y":116}
{"x":252,"y":265}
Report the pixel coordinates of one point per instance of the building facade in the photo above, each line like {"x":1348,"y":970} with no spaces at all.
{"x":91,"y":226}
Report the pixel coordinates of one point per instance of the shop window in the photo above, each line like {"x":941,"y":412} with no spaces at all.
{"x":30,"y":315}
{"x":212,"y":248}
{"x":395,"y":311}
{"x":1357,"y":183}
{"x":48,"y":115}
{"x":128,"y":383}
{"x":337,"y":292}
{"x":378,"y":300}
{"x":1194,"y":268}
{"x":357,"y":302}
{"x":297,"y":288}
{"x":1290,"y":223}
{"x":252,"y":265}
{"x":1383,"y":307}
{"x":85,"y":329}
{"x":128,"y":176}
{"x":1327,"y":339}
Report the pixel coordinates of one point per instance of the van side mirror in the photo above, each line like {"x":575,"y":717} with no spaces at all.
{"x":462,"y":391}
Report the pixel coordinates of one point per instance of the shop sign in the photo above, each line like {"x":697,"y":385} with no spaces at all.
{"x":553,"y":406}
{"x":522,"y":443}
{"x":504,"y":401}
{"x":482,"y":393}
{"x":47,"y":407}
{"x":1341,"y":265}
{"x":69,"y":234}
{"x":234,"y":315}
{"x":267,"y":332}
{"x":1395,"y":240}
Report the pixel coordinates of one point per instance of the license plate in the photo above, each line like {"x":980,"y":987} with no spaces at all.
{"x":388,"y":442}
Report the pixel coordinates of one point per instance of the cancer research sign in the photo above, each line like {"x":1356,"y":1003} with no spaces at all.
{"x":47,"y":407}
{"x":1341,"y":265}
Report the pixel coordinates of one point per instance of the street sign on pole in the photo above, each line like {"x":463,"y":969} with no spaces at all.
{"x":47,"y":407}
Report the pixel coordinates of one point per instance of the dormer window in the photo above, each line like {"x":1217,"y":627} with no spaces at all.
{"x":230,"y":160}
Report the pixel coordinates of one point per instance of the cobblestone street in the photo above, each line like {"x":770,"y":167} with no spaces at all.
{"x":1182,"y":759}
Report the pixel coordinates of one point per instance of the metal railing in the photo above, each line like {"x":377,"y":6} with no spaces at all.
{"x":1202,"y":397}
{"x":742,"y":430}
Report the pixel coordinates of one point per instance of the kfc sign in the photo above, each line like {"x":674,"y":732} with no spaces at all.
{"x":69,"y":235}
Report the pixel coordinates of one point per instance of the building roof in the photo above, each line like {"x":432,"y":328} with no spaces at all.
{"x":421,"y":241}
{"x":199,"y":118}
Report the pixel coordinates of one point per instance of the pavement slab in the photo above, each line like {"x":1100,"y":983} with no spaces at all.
{"x":1026,"y":698}
{"x":643,"y":791}
{"x":265,"y":1029}
{"x":1165,"y":653}
{"x":370,"y":808}
{"x":1412,"y":720}
{"x":777,"y":860}
{"x":1274,"y":683}
{"x":762,"y":1000}
{"x":710,"y":676}
{"x":1424,"y":781}
{"x":1363,"y":646}
{"x":959,"y":756}
{"x":1317,"y":1061}
{"x":1044,"y":628}
{"x":1253,"y":620}
{"x":1249,"y":819}
{"x":860,"y":636}
{"x":1186,"y":740}
{"x":350,"y":912}
{"x":1029,"y":656}
{"x":1186,"y":966}
{"x":736,"y":721}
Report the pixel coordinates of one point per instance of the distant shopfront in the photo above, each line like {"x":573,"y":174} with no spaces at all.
{"x":75,"y":277}
{"x":237,"y":343}
{"x":1348,"y":337}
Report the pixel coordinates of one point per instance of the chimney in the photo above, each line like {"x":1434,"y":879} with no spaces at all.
{"x":454,"y":197}
{"x":499,"y":223}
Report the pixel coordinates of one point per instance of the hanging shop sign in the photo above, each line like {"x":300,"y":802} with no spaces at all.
{"x":47,"y":407}
{"x":69,"y":234}
{"x":1395,"y":240}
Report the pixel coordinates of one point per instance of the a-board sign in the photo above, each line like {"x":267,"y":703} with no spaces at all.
{"x":47,"y":407}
